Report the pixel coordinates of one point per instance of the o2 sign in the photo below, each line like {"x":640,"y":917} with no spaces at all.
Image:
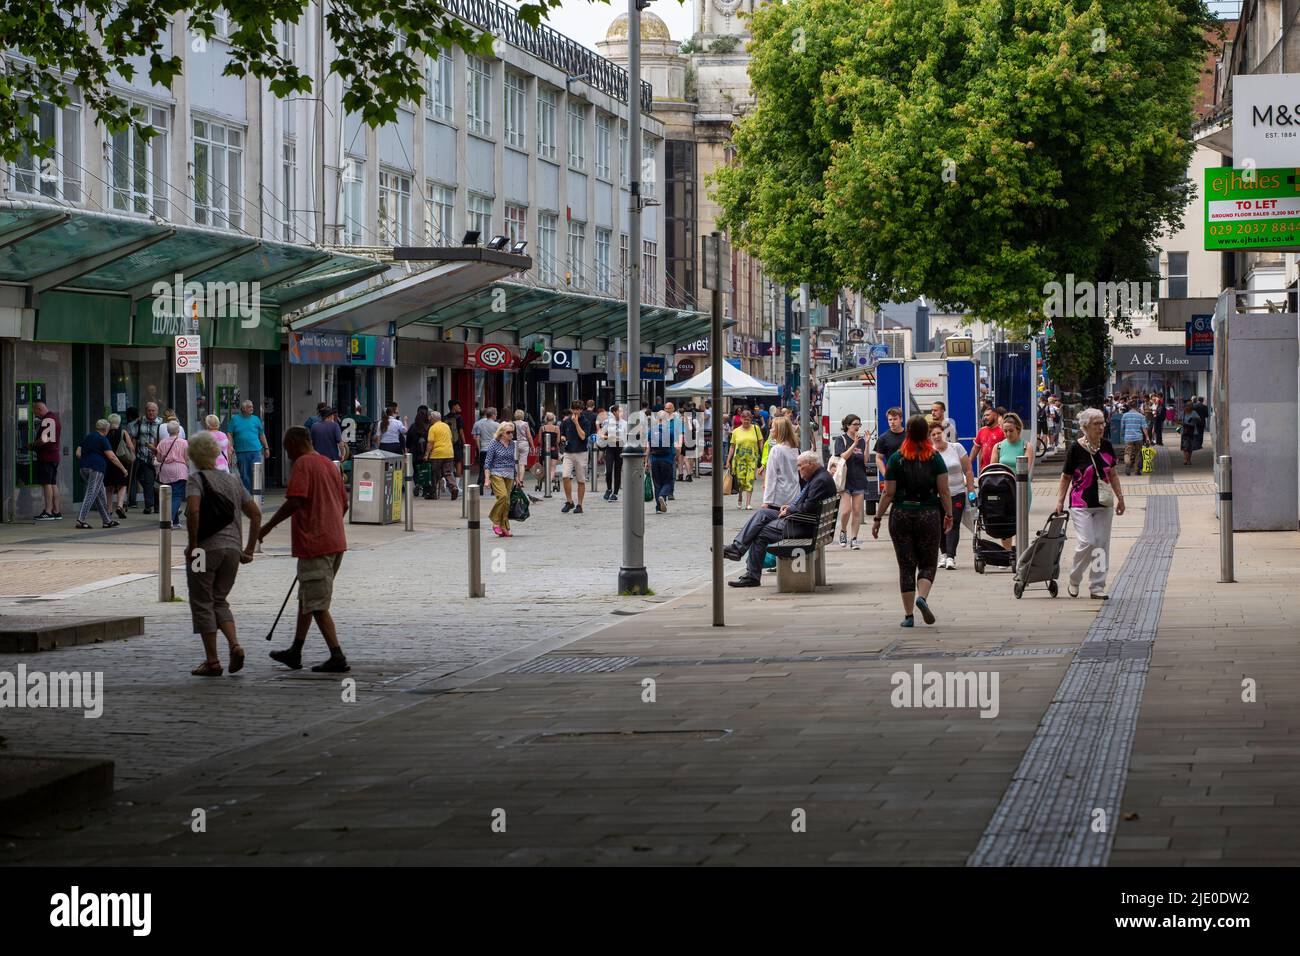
{"x":560,"y":358}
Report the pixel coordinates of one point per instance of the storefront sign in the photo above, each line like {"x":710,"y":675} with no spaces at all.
{"x":652,"y":368}
{"x":189,"y":355}
{"x":1200,"y":335}
{"x":1252,"y":208}
{"x":699,"y":345}
{"x":1129,"y":358}
{"x":1266,"y":119}
{"x":561,"y":358}
{"x":493,"y":358}
{"x":821,"y":355}
{"x":685,"y":368}
{"x":371,"y":350}
{"x":340,"y":348}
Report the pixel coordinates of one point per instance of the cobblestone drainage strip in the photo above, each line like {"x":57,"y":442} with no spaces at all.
{"x":1077,"y":763}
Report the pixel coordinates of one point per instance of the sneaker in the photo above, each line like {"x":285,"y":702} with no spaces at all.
{"x":578,"y":510}
{"x":926,"y":614}
{"x":1072,"y":590}
{"x":337,"y":664}
{"x":176,"y":526}
{"x":661,"y":506}
{"x":613,"y":497}
{"x":568,"y":506}
{"x":1099,"y":596}
{"x":56,"y":515}
{"x":45,"y":516}
{"x":844,"y":539}
{"x":606,"y":496}
{"x":744,"y":581}
{"x":289,"y":657}
{"x":908,"y":621}
{"x":671,"y":497}
{"x":854,"y":546}
{"x":121,"y":512}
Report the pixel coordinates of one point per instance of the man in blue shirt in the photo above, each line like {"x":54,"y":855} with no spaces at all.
{"x":1136,"y":434}
{"x":661,"y":456}
{"x":248,"y":437}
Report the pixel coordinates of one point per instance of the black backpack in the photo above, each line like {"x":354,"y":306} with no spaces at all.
{"x":215,"y":511}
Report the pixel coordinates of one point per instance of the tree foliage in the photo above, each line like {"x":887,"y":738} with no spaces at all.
{"x":54,"y":44}
{"x":968,"y":151}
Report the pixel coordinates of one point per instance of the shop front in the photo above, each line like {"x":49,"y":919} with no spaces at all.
{"x":1166,"y":369}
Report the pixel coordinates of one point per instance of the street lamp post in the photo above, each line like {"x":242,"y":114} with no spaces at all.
{"x":632,"y":576}
{"x":717,"y":279}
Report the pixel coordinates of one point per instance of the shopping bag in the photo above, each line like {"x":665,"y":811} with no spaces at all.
{"x":1148,"y":460}
{"x":519,"y":508}
{"x":726,"y":483}
{"x":649,"y":489}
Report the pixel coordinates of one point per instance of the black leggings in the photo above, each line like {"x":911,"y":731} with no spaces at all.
{"x":953,"y":537}
{"x":916,"y":537}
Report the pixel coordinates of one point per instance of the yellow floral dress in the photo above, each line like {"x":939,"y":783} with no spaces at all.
{"x":744,"y":460}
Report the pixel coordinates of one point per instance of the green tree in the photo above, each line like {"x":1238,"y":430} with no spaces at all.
{"x":54,"y":43}
{"x":970,"y":152}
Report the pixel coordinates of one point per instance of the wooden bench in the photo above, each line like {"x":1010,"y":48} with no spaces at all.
{"x":801,"y":562}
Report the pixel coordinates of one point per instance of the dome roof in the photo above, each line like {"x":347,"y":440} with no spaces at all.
{"x":652,"y":28}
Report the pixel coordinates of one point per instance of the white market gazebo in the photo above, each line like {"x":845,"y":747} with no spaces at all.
{"x":734,"y":383}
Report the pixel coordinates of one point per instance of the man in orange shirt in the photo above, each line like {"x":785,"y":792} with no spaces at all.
{"x":317,"y":501}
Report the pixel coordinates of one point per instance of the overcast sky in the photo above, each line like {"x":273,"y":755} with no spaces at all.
{"x":586,"y":20}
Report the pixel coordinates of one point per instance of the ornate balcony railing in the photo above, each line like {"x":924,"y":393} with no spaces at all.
{"x":501,"y":21}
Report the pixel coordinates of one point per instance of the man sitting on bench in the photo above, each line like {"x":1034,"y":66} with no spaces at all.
{"x":798,"y":519}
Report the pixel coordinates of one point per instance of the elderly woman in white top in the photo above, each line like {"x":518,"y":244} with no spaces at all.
{"x":780,"y":472}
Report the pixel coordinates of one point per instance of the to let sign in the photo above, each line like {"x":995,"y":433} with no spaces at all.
{"x":1252,"y":208}
{"x":188,"y":352}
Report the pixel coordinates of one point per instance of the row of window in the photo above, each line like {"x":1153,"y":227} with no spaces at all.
{"x":438,"y":104}
{"x":395,"y":227}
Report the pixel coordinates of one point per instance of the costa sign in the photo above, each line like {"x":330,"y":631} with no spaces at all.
{"x":685,"y":368}
{"x":490,"y":357}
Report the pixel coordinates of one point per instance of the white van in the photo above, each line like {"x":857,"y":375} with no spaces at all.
{"x":852,"y":397}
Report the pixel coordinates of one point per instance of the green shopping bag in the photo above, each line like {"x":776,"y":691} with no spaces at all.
{"x":649,"y":489}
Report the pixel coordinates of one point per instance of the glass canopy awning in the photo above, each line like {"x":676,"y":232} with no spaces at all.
{"x":46,"y":247}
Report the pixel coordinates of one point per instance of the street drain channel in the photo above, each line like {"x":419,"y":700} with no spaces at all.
{"x":573,"y":665}
{"x":623,"y":736}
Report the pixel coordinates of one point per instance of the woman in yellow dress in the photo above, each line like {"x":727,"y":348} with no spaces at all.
{"x":743,"y":458}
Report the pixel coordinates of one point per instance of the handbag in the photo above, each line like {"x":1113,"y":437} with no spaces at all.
{"x":1105,"y":493}
{"x":726,"y":484}
{"x":215,"y":511}
{"x":649,"y":489}
{"x":519,"y":506}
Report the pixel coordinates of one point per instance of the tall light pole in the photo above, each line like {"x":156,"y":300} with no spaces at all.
{"x":805,"y":369}
{"x":717,"y":279}
{"x":632,"y":576}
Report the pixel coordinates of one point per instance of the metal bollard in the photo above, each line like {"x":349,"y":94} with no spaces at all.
{"x":408,"y":494}
{"x":1226,"y":570}
{"x":1022,"y":506}
{"x":475,"y":543}
{"x":259,"y":484}
{"x":548,"y":468}
{"x":165,"y":592}
{"x":464,"y":481}
{"x":592,"y":477}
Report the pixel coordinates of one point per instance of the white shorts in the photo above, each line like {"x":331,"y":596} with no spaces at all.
{"x":575,"y":466}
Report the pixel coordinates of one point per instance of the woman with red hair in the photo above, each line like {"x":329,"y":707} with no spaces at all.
{"x":916,"y":485}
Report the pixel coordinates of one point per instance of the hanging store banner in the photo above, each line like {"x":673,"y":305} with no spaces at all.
{"x":1252,"y":209}
{"x":340,"y":348}
{"x":1266,"y":119}
{"x":652,"y":368}
{"x":490,"y":357}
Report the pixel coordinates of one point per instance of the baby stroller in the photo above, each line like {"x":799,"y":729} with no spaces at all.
{"x":995,"y":517}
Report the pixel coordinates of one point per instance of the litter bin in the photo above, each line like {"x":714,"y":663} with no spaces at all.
{"x":377,"y":488}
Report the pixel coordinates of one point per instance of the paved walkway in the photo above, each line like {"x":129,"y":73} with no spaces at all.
{"x":773,"y":740}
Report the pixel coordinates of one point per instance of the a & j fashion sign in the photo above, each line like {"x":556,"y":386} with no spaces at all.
{"x":1252,"y":208}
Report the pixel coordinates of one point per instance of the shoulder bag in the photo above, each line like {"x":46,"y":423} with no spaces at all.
{"x":1105,"y":493}
{"x":215,"y":510}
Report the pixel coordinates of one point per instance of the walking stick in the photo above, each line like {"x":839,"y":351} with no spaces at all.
{"x":282,"y":607}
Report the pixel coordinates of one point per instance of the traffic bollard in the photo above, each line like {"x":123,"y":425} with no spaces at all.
{"x":1226,"y":570}
{"x":1022,"y":507}
{"x":165,"y":592}
{"x":475,"y":543}
{"x":258,"y":495}
{"x":548,"y":468}
{"x":464,"y":481}
{"x":408,"y":494}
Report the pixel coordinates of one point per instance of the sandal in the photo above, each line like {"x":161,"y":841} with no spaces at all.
{"x":82,"y":524}
{"x":236,"y":659}
{"x":207,"y":669}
